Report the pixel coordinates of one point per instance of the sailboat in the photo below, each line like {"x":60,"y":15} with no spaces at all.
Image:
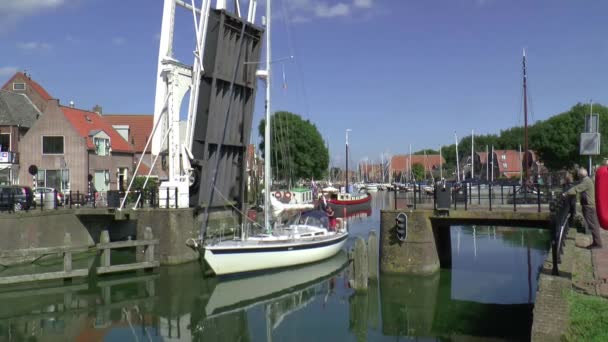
{"x":305,"y":238}
{"x":346,"y":198}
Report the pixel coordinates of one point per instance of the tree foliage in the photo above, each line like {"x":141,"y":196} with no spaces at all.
{"x":556,"y":140}
{"x":297,"y":149}
{"x":418,"y":171}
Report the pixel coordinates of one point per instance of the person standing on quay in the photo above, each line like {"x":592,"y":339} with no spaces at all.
{"x":587,"y":190}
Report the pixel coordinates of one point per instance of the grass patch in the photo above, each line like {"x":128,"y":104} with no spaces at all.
{"x":588,"y":318}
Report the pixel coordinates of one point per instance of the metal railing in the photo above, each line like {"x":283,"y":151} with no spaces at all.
{"x":562,"y":212}
{"x":482,"y":195}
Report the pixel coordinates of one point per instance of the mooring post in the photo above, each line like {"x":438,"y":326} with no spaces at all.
{"x":360,"y":265}
{"x":67,"y":254}
{"x":105,"y":253}
{"x":372,"y":254}
{"x":149,"y":249}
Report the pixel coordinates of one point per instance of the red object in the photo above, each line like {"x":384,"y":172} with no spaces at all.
{"x":277,"y":194}
{"x":601,"y":196}
{"x":287,"y":195}
{"x":86,"y":122}
{"x":252,"y":215}
{"x":350,"y":202}
{"x":140,"y":128}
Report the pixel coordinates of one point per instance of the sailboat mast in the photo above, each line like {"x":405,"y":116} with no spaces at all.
{"x":440,"y":164}
{"x":457,"y":162}
{"x":346,"y":175}
{"x":267,"y":158}
{"x":473,"y":154}
{"x":525,"y":120}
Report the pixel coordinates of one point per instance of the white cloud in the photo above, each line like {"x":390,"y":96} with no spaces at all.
{"x":118,"y":40}
{"x":7,"y":71}
{"x":363,"y":3}
{"x":326,"y":11}
{"x":30,"y":46}
{"x":12,"y":11}
{"x":302,"y":11}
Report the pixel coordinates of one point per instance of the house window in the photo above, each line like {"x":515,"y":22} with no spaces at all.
{"x":504,"y":157}
{"x":101,"y":180}
{"x":504,"y":165}
{"x":18,"y":86}
{"x":52,"y":145}
{"x":5,"y":142}
{"x":56,"y":179}
{"x":102,"y":146}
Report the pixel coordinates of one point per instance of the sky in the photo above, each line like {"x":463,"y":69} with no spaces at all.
{"x":395,"y":72}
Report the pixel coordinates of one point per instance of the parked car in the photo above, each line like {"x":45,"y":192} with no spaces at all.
{"x":41,"y":192}
{"x":17,"y":196}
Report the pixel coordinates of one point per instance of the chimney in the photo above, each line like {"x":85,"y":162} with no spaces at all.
{"x":97,"y":109}
{"x":71,"y":104}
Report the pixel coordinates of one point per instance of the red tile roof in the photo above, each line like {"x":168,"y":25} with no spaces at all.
{"x":140,"y":128}
{"x":400,"y":162}
{"x":143,"y":170}
{"x":85,"y":121}
{"x":31,"y":83}
{"x":511,"y":162}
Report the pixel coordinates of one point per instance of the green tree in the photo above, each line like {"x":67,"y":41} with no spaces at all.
{"x":557,"y":139}
{"x":297,"y":149}
{"x":418,"y":171}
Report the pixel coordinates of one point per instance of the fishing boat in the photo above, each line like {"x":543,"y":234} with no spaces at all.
{"x":305,"y":238}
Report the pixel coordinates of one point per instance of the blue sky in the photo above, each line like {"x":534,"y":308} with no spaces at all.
{"x":397,"y":72}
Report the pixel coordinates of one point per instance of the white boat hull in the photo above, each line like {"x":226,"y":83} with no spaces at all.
{"x":245,"y":257}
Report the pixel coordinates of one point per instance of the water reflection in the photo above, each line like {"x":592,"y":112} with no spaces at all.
{"x":487,"y":294}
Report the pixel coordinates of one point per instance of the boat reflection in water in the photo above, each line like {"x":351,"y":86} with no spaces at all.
{"x":242,"y":293}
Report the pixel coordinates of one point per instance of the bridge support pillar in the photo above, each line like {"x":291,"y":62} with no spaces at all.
{"x":417,"y":253}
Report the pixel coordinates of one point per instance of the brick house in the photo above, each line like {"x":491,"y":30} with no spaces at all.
{"x":17,"y":115}
{"x":69,"y":144}
{"x":400,"y":164}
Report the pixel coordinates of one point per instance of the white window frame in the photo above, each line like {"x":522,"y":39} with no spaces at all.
{"x":24,"y":86}
{"x":51,"y":154}
{"x":106,"y":144}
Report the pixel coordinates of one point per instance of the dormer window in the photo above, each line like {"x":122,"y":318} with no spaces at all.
{"x":18,"y":86}
{"x":102,"y":146}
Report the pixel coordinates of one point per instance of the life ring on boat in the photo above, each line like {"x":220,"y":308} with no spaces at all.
{"x":601,"y":196}
{"x":277,"y":194}
{"x":287,"y":195}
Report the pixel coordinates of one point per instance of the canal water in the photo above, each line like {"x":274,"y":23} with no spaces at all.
{"x":488,"y":294}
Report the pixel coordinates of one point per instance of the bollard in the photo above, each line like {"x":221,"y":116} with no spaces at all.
{"x":41,"y":201}
{"x":466,"y":199}
{"x":94,"y":199}
{"x":454,"y":196}
{"x":395,"y":196}
{"x":490,"y":195}
{"x":71,"y":199}
{"x":167,"y":199}
{"x":538,"y":197}
{"x":414,"y":196}
{"x":479,"y":195}
{"x":469,"y":193}
{"x":55,"y":204}
{"x":502,"y":199}
{"x":514,"y":198}
{"x":176,"y":194}
{"x":372,"y":254}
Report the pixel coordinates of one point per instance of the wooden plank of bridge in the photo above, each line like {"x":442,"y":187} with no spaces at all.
{"x":360,"y":265}
{"x":67,"y":272}
{"x":106,"y":246}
